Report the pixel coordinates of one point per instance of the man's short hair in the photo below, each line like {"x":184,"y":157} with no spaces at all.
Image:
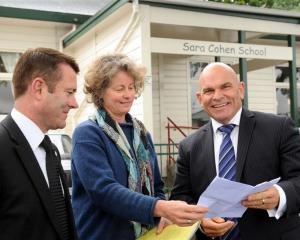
{"x":40,"y":62}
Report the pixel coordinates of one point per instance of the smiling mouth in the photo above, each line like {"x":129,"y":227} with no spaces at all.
{"x":219,"y":105}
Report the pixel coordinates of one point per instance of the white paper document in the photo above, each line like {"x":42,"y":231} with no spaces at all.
{"x":223,"y":197}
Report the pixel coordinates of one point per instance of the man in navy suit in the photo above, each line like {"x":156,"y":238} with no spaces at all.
{"x":44,"y":83}
{"x":266,"y":146}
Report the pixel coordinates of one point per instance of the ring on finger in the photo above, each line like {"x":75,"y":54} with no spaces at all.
{"x":263,"y":201}
{"x":188,"y":221}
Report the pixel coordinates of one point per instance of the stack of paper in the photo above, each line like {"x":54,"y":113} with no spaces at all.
{"x":223,"y":197}
{"x":171,"y":232}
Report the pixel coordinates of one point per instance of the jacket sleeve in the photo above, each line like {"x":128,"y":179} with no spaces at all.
{"x":182,"y":189}
{"x":290,"y":165}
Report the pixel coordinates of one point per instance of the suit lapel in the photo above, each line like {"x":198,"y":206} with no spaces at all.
{"x":245,"y":134}
{"x":32,"y":167}
{"x":209,"y":156}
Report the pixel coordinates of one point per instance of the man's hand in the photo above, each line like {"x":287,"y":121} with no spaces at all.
{"x":268,"y":199}
{"x":215,"y":227}
{"x":179,"y":212}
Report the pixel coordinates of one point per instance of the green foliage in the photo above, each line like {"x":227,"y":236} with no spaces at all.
{"x":287,"y":4}
{"x":260,"y":3}
{"x":279,"y":4}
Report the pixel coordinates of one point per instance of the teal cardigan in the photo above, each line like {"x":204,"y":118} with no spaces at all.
{"x":102,"y":203}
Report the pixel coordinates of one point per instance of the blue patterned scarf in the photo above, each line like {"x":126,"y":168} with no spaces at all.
{"x":140,"y":177}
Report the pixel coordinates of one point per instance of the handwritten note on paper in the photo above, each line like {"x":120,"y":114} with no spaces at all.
{"x":223,"y":197}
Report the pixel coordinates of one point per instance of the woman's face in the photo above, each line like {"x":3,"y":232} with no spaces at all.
{"x":119,"y":96}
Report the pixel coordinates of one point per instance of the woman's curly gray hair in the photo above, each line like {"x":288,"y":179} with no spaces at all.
{"x":104,"y":68}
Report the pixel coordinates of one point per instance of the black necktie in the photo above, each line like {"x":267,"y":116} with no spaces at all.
{"x":55,"y":187}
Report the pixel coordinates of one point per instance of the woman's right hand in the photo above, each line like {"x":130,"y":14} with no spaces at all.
{"x":179,"y":212}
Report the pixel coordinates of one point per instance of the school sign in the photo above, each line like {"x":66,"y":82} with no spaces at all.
{"x":188,"y":47}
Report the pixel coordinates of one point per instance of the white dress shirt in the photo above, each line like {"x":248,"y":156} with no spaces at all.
{"x":218,"y":137}
{"x":34,"y":137}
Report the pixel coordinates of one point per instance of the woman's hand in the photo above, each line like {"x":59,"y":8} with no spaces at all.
{"x":179,"y":212}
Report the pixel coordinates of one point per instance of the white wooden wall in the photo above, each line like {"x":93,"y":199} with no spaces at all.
{"x":17,"y":35}
{"x":170,"y":93}
{"x":101,"y":40}
{"x":262,"y":90}
{"x":157,"y":107}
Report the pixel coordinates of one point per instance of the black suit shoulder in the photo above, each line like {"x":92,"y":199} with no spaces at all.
{"x":195,"y":138}
{"x":269,"y":117}
{"x":21,"y":209}
{"x":267,"y":124}
{"x":4,"y":135}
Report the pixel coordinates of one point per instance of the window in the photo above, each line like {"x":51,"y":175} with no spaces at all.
{"x":283,"y":91}
{"x":6,"y":97}
{"x":63,"y":143}
{"x":199,"y":116}
{"x":8,"y":61}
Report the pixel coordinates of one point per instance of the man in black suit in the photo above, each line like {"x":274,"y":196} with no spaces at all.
{"x":44,"y":83}
{"x":266,"y":146}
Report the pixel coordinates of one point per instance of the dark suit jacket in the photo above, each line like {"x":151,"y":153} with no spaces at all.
{"x":268,"y":147}
{"x":26,"y":209}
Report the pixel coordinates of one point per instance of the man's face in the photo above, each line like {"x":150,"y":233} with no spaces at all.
{"x":57,"y":104}
{"x":220,"y":93}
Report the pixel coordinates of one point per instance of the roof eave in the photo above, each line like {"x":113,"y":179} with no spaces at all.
{"x":31,"y":14}
{"x":229,"y":9}
{"x":93,"y":21}
{"x":206,"y":7}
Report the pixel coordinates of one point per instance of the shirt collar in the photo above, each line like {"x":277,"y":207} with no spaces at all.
{"x":235,"y":120}
{"x":31,"y":131}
